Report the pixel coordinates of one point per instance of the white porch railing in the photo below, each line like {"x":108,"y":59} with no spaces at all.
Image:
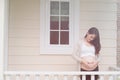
{"x":31,"y":75}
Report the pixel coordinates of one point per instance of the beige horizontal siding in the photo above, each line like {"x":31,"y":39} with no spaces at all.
{"x":106,"y":60}
{"x":108,"y":51}
{"x":43,"y":60}
{"x":103,"y":1}
{"x":43,"y":67}
{"x":53,"y":60}
{"x":24,"y":50}
{"x":24,"y":42}
{"x":28,"y":51}
{"x":95,"y":16}
{"x":27,"y":33}
{"x":24,"y":35}
{"x":96,"y":6}
{"x":42,"y":64}
{"x":118,"y":34}
{"x":102,"y":67}
{"x":108,"y":43}
{"x":103,"y":25}
{"x":105,"y":67}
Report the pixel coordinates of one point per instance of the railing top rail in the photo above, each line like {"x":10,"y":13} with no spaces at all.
{"x":61,"y":73}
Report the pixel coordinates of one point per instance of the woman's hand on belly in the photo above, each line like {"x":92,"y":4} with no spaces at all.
{"x":85,"y":63}
{"x":89,"y":64}
{"x":93,"y":65}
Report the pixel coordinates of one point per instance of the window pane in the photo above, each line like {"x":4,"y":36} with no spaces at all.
{"x":64,"y":37}
{"x":65,"y":8}
{"x":64,"y":23}
{"x":54,"y":8}
{"x":54,"y":37}
{"x":54,"y":22}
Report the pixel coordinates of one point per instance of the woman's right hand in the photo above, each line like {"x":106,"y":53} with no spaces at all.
{"x":93,"y":65}
{"x":85,"y":63}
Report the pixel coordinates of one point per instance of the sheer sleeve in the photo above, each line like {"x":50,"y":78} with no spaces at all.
{"x":76,"y":52}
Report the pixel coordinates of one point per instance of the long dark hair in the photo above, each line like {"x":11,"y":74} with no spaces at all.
{"x":96,"y":41}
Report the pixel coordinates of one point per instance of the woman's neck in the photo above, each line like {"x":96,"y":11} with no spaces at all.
{"x":87,"y":43}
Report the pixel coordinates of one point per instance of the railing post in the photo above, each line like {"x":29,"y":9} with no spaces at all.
{"x":74,"y":77}
{"x":111,"y":77}
{"x":92,"y":77}
{"x":27,"y":77}
{"x":83,"y":77}
{"x":17,"y":77}
{"x":46,"y":77}
{"x":8,"y":77}
{"x":101,"y":77}
{"x":37,"y":77}
{"x":55,"y":77}
{"x":115,"y":77}
{"x":65,"y":77}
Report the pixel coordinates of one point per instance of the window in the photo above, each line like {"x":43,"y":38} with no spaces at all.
{"x":59,"y":22}
{"x":59,"y":26}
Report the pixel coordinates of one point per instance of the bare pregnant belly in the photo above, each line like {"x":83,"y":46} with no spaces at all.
{"x":89,"y":59}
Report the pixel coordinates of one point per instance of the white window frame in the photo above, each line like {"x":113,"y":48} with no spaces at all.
{"x":45,"y":47}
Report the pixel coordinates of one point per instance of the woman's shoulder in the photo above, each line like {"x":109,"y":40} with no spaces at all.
{"x":80,"y":41}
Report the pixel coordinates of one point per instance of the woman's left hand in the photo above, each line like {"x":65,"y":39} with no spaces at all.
{"x":93,"y":65}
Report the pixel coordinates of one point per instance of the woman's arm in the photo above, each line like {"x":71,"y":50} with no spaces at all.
{"x":76,"y":53}
{"x":76,"y":56}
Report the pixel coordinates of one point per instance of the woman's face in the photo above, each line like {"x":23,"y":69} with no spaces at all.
{"x":90,"y":37}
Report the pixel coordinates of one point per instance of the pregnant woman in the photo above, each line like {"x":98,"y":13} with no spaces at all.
{"x":86,"y":52}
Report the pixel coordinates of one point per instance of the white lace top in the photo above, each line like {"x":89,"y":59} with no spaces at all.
{"x":86,"y":50}
{"x":82,"y":50}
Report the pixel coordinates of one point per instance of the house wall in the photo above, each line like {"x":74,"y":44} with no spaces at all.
{"x":118,"y":33}
{"x":24,"y":35}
